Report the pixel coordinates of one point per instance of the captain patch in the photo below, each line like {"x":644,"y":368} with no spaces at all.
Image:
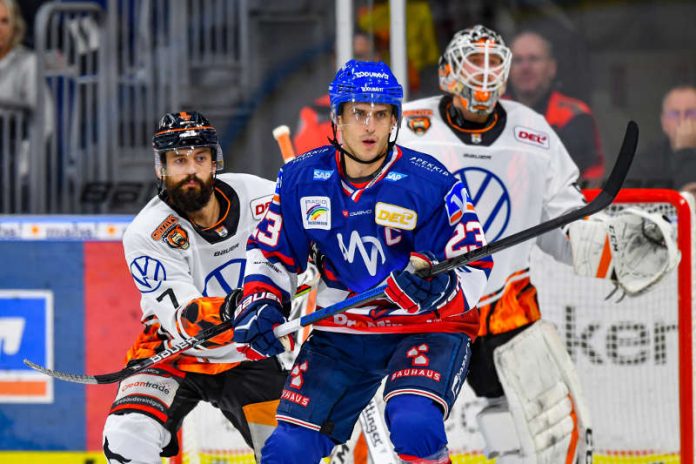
{"x":316,"y":212}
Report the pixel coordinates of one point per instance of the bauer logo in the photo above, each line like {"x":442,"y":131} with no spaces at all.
{"x":455,"y":203}
{"x":26,"y":331}
{"x":532,"y":137}
{"x":320,"y":174}
{"x":148,"y":273}
{"x":316,"y":212}
{"x":378,"y":75}
{"x":395,"y":216}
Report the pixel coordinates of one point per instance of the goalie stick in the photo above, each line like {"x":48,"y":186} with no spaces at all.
{"x":601,"y":201}
{"x":604,"y":199}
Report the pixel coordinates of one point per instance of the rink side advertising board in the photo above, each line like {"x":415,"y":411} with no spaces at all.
{"x":67,"y":301}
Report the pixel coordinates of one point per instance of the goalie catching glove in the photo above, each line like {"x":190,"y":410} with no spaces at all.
{"x":255,"y":319}
{"x":634,"y":248}
{"x":202,"y":313}
{"x":421,"y":295}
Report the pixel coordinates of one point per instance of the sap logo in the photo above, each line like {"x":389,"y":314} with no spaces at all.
{"x":395,"y":176}
{"x":395,"y":216}
{"x":372,"y":259}
{"x":320,"y":174}
{"x":148,"y":273}
{"x":260,"y":205}
{"x":532,"y":137}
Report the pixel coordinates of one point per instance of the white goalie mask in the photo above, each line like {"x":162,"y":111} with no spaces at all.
{"x":475,"y":68}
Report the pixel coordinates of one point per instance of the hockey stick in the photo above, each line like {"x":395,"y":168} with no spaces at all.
{"x":604,"y":199}
{"x":168,"y":354}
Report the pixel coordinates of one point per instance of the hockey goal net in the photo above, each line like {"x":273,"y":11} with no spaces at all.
{"x":634,"y":359}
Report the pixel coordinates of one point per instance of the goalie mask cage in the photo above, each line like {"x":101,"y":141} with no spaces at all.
{"x":633,"y":356}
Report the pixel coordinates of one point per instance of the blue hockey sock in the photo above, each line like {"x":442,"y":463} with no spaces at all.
{"x":292,"y":444}
{"x":416,"y":426}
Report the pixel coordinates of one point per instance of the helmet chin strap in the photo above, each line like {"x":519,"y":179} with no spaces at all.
{"x":343,"y":151}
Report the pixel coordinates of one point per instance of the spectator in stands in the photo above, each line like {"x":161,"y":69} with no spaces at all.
{"x":532,"y":82}
{"x":314,"y":126}
{"x":18,"y":69}
{"x":671,"y":161}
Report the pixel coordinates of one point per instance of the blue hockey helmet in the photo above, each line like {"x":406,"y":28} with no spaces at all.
{"x":185,"y":130}
{"x":365,"y":82}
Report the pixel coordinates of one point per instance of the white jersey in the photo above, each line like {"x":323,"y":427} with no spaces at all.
{"x":518,"y":174}
{"x":173,"y":262}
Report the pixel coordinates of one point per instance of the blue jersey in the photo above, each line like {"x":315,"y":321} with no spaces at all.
{"x":365,"y":232}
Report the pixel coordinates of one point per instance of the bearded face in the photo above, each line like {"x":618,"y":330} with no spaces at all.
{"x":189,"y":194}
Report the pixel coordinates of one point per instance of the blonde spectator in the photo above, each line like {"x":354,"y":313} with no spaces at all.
{"x":18,"y":82}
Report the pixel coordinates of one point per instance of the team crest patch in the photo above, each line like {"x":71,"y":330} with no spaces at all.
{"x":418,"y":124}
{"x":177,"y":237}
{"x":455,"y":203}
{"x":164,"y":226}
{"x":316,"y":212}
{"x":388,"y":215}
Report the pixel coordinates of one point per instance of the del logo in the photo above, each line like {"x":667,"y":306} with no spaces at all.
{"x":532,"y":137}
{"x":320,"y":174}
{"x":316,"y":212}
{"x":395,"y":216}
{"x":260,"y":205}
{"x":455,"y":203}
{"x":26,"y":332}
{"x":395,"y":176}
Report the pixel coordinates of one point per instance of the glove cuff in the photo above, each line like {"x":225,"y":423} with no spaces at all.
{"x":250,"y":301}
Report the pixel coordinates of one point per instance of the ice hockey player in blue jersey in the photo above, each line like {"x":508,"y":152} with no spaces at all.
{"x":372,"y":212}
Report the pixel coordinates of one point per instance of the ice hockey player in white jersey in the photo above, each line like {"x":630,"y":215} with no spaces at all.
{"x":186,"y":253}
{"x":519,"y":174}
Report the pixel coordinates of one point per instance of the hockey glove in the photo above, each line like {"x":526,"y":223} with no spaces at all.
{"x":230,"y":305}
{"x":417,"y":295}
{"x":202,"y":313}
{"x":257,"y":315}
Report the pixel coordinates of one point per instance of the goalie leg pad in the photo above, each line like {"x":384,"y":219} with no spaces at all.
{"x":292,"y":444}
{"x":416,"y":426}
{"x":544,"y":397}
{"x":134,"y":438}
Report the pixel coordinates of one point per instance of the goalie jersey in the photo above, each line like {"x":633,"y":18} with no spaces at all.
{"x":173,"y":262}
{"x":518,"y":174}
{"x":361,"y":233}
